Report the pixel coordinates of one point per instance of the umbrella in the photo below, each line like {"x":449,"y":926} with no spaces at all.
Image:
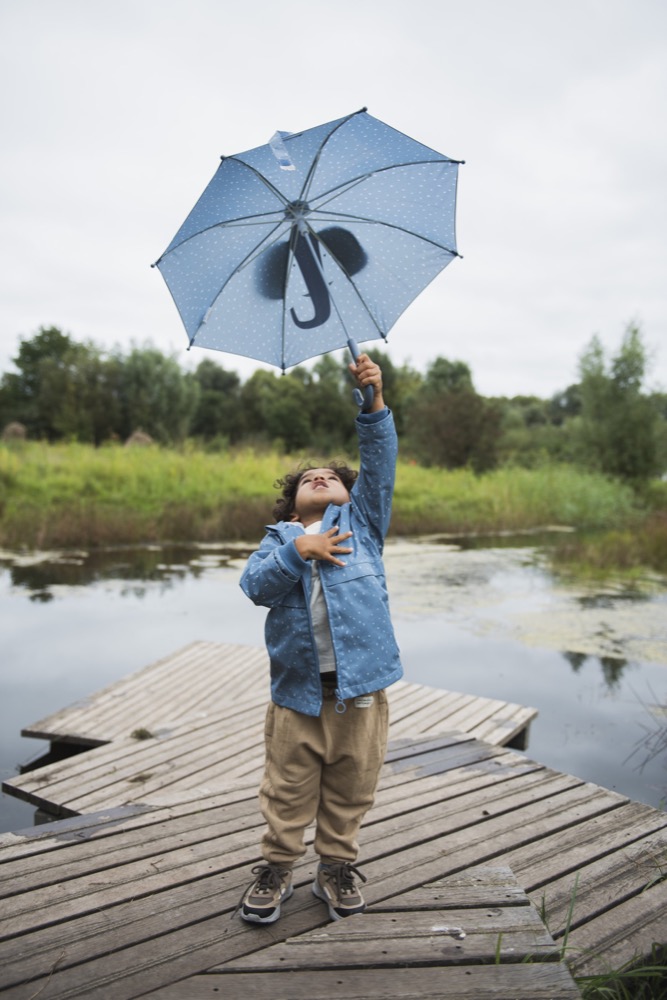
{"x":312,"y":241}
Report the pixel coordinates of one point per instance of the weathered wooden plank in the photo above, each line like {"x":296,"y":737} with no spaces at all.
{"x":436,"y":709}
{"x":406,"y":698}
{"x":77,"y":895}
{"x":137,"y":918}
{"x":133,"y":829}
{"x":400,"y":748}
{"x":117,"y":773}
{"x":539,"y":863}
{"x":539,"y":793}
{"x":542,"y":981}
{"x":130,"y":959}
{"x":174,"y":688}
{"x":73,"y":717}
{"x":485,"y":842}
{"x":171,"y":689}
{"x":490,"y":768}
{"x":67,"y":899}
{"x":180,"y":690}
{"x":503,"y":727}
{"x":171,"y":911}
{"x":393,"y":788}
{"x":155,"y":939}
{"x":618,"y":875}
{"x":481,"y":885}
{"x":473,"y":713}
{"x":435,"y":762}
{"x":233,"y":757}
{"x":203,"y":678}
{"x":64,"y":722}
{"x":142,"y":965}
{"x":465,"y":808}
{"x":128,"y":771}
{"x":621,"y":934}
{"x":454,"y":710}
{"x":35,"y":842}
{"x":126,"y":916}
{"x":193,"y":738}
{"x":94,"y":857}
{"x":440,"y":937}
{"x":191,"y":861}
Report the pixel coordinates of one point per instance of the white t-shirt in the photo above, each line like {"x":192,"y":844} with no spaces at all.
{"x":319,"y":613}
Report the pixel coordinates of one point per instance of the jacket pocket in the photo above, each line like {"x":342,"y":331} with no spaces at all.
{"x":355,"y":570}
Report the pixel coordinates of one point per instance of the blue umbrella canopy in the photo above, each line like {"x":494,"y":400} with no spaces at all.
{"x":314,"y":238}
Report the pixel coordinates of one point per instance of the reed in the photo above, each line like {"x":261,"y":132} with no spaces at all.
{"x":643,"y":980}
{"x":77,"y":495}
{"x":632,"y":553}
{"x":508,"y":499}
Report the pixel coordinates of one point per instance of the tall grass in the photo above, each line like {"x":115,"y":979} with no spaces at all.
{"x":508,"y":499}
{"x":631,"y":551}
{"x":63,"y":495}
{"x":76,"y":495}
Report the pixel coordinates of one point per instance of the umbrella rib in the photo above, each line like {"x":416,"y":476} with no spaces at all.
{"x":244,"y":220}
{"x":316,"y":159}
{"x":283,"y":325}
{"x":343,"y":216}
{"x":260,"y":176}
{"x":331,"y":195}
{"x":225,"y":224}
{"x":349,"y":278}
{"x":354,"y":181}
{"x":244,"y":263}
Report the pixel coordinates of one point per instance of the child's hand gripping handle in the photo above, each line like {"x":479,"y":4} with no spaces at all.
{"x":364,"y":400}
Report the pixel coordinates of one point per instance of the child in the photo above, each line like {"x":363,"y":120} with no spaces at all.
{"x":332,"y":651}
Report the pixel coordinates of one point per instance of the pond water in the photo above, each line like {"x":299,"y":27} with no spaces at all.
{"x":484,"y":620}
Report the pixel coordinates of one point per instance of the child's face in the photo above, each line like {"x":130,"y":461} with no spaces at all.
{"x":316,"y":490}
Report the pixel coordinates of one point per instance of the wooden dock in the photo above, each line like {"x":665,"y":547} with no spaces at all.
{"x":480,"y":863}
{"x":193,"y":723}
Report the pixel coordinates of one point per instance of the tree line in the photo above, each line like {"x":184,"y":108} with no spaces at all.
{"x":68,"y":390}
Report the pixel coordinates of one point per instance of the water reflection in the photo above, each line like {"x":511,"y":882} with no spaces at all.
{"x":162,"y":564}
{"x":576,"y":660}
{"x":540,"y":538}
{"x":609,"y":600}
{"x":612,"y":667}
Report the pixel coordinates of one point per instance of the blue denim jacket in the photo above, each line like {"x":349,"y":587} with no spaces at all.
{"x":276,"y":577}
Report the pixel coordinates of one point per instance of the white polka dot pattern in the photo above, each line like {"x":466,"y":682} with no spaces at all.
{"x":375,"y":211}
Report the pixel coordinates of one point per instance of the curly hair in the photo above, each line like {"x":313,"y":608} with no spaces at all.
{"x":289,"y":484}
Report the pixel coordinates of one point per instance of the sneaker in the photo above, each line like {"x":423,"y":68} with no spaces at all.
{"x":334,"y":883}
{"x":261,"y":902}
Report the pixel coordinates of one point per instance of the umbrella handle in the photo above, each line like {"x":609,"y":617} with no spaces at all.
{"x":364,"y":400}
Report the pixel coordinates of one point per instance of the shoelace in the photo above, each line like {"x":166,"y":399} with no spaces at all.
{"x":343,"y":877}
{"x":268,"y":880}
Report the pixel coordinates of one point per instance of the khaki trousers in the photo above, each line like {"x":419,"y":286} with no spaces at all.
{"x":323,"y":768}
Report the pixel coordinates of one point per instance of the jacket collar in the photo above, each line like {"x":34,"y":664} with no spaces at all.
{"x":290,"y":529}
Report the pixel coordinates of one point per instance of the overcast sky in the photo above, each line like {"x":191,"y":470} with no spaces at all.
{"x":114,"y":116}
